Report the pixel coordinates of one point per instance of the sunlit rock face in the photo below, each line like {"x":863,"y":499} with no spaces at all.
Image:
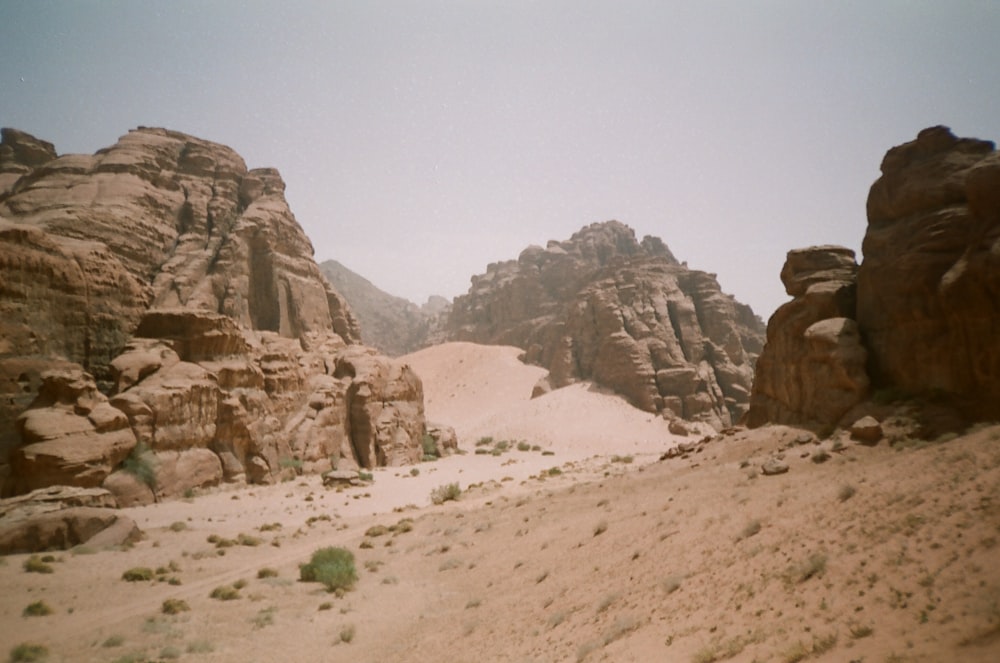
{"x":624,"y":313}
{"x":178,"y":282}
{"x":922,"y":313}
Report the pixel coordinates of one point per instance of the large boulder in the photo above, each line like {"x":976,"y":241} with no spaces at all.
{"x":813,"y":367}
{"x":929,"y":286}
{"x":624,"y":313}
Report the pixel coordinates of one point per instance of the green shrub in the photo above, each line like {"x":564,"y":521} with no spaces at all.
{"x":34,"y":564}
{"x":26,"y":652}
{"x":174,"y":606}
{"x":225,"y":593}
{"x":442,"y":494}
{"x":247,"y":540}
{"x":141,"y":463}
{"x":430,"y":446}
{"x":523,"y":446}
{"x":332,"y":566}
{"x":138,"y":574}
{"x":484,"y":441}
{"x":37,"y":609}
{"x":366,"y":476}
{"x":267,"y":572}
{"x":414,"y":472}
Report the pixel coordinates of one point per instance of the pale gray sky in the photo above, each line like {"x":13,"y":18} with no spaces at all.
{"x":421,"y":140}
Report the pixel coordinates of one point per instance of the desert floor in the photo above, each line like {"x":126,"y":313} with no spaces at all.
{"x":588,"y":547}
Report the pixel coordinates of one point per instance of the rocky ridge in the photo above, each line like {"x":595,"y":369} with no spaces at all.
{"x":918,"y":319}
{"x":163,"y":318}
{"x":624,"y":313}
{"x":393,"y":325}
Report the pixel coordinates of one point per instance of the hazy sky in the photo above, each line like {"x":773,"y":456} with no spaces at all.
{"x":421,"y":140}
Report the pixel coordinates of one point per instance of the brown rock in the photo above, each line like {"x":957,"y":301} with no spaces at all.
{"x":128,"y":490}
{"x":927,"y":289}
{"x":65,"y":528}
{"x":445,"y":439}
{"x":867,"y":430}
{"x":773,"y":466}
{"x":603,"y":306}
{"x":178,"y":471}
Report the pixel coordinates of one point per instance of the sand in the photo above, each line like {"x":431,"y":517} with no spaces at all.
{"x":571,"y":556}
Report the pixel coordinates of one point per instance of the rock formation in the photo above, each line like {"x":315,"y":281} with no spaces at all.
{"x":393,"y":325}
{"x":920,"y":318}
{"x":626,"y":314}
{"x":158,"y":298}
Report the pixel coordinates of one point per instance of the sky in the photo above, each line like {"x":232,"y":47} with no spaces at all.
{"x":421,"y":140}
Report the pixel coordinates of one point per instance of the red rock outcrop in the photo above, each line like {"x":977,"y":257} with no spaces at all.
{"x":603,"y":306}
{"x":182,"y":283}
{"x":922,"y":315}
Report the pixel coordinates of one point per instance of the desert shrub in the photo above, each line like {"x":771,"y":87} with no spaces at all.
{"x":178,"y":526}
{"x":174,"y":606}
{"x":429,"y":445}
{"x":26,"y":652}
{"x":402,"y":527}
{"x":247,"y":540}
{"x":414,"y":472}
{"x":269,"y":527}
{"x":332,"y":566}
{"x":442,"y":494}
{"x":376,"y":530}
{"x":225,"y":593}
{"x":267,"y":572}
{"x":622,"y":459}
{"x":554,"y":471}
{"x":138,"y":574}
{"x":366,"y":476}
{"x":34,"y":564}
{"x":141,"y":463}
{"x":200,"y":647}
{"x":37,"y":609}
{"x":240,"y":584}
{"x":347,"y":633}
{"x":523,"y":446}
{"x":484,"y":441}
{"x":292,"y":463}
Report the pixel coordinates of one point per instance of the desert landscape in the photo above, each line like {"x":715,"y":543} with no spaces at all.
{"x":594,"y":454}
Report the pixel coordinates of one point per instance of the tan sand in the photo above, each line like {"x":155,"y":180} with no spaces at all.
{"x":693,"y":559}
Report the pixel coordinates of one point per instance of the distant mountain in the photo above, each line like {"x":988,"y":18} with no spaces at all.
{"x":394,"y":325}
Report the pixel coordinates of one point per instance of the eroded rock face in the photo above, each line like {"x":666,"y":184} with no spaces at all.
{"x":603,"y":306}
{"x":921,"y":316}
{"x":180,"y":281}
{"x":813,"y":367}
{"x":929,"y":286}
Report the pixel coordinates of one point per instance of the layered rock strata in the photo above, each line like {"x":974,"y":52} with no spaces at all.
{"x":159,"y":296}
{"x":624,"y":313}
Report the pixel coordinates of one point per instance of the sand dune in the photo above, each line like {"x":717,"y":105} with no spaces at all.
{"x":881,"y":554}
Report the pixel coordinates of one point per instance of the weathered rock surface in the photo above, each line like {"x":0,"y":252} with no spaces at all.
{"x":61,"y":517}
{"x":929,"y":286}
{"x":391,"y":324}
{"x":180,"y":281}
{"x":606,"y":307}
{"x":812,"y":370}
{"x":921,"y":316}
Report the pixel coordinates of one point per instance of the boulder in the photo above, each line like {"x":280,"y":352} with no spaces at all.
{"x":867,"y":429}
{"x":65,"y":528}
{"x":445,"y":439}
{"x":773,"y":466}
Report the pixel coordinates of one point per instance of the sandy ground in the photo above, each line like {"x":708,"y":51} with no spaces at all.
{"x":880,"y":554}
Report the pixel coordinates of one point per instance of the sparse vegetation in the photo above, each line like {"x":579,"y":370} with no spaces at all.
{"x":225,"y":593}
{"x":174,"y":606}
{"x":429,"y":445}
{"x":621,"y":459}
{"x":28,"y":652}
{"x":138,"y":574}
{"x":347,"y":633}
{"x":267,"y":572}
{"x":813,"y":566}
{"x":442,"y":494}
{"x":178,"y":526}
{"x":141,"y":463}
{"x":332,"y":566}
{"x":37,"y":609}
{"x":36,"y":564}
{"x":113,"y":641}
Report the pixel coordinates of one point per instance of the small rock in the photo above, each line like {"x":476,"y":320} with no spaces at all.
{"x":867,"y":430}
{"x":804,"y":438}
{"x":821,"y":456}
{"x":677,"y":427}
{"x":341,"y":477}
{"x":774,"y":466}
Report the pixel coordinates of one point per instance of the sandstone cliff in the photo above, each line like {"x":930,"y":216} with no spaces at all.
{"x":624,"y":313}
{"x":393,"y":325}
{"x":159,"y":295}
{"x":920,"y":317}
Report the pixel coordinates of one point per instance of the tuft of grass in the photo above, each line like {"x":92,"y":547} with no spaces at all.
{"x":247,"y":540}
{"x":859,"y":631}
{"x":267,"y":572}
{"x":621,"y":459}
{"x":34,"y":564}
{"x":174,"y":606}
{"x":200,"y":647}
{"x":141,"y":463}
{"x":170,"y":653}
{"x":113,"y":641}
{"x":138,"y":574}
{"x":442,"y":494}
{"x":376,"y":530}
{"x":347,"y":633}
{"x":178,"y":526}
{"x":225,"y":593}
{"x":332,"y":566}
{"x":27,"y":652}
{"x":264,"y":617}
{"x":523,"y":446}
{"x":37,"y":609}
